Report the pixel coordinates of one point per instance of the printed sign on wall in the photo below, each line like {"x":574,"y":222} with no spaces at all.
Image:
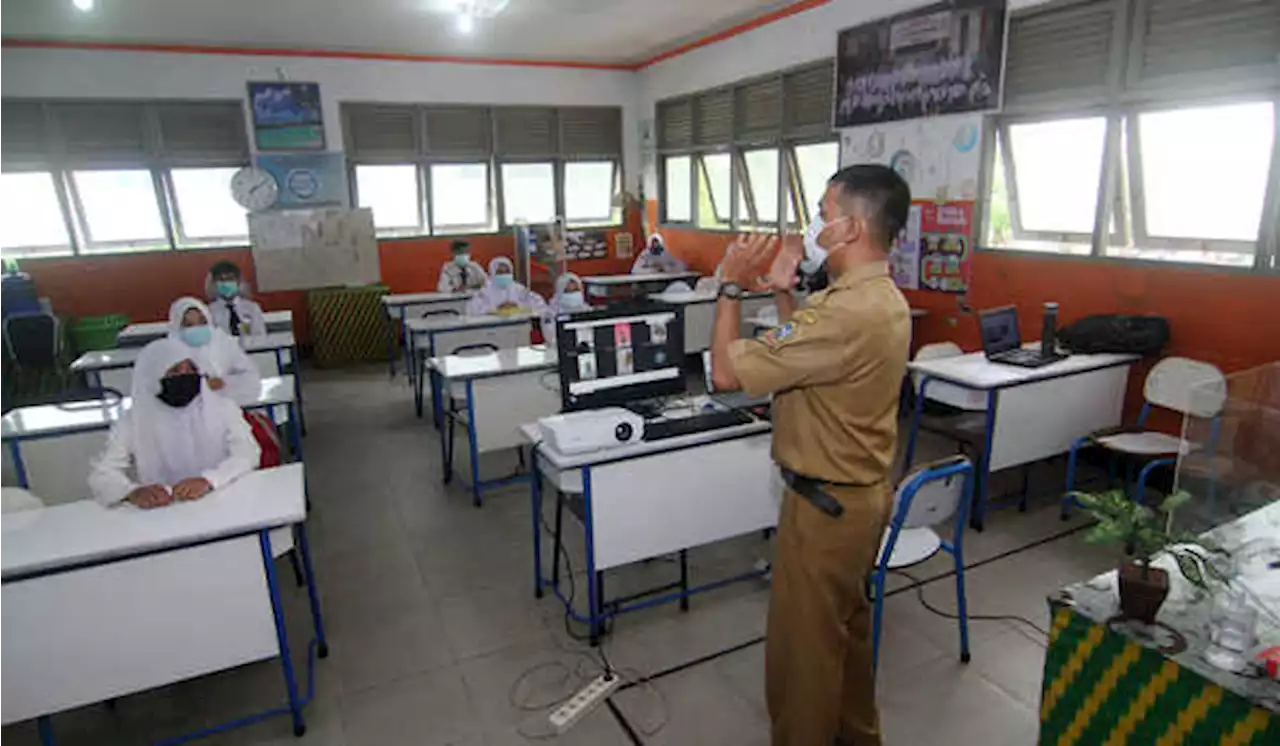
{"x":286,"y":116}
{"x":940,"y":157}
{"x":946,"y":246}
{"x":308,"y":179}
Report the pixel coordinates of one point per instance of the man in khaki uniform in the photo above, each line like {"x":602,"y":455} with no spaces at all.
{"x":835,"y":368}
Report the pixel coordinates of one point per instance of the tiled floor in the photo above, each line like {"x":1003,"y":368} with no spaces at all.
{"x":432,"y":620}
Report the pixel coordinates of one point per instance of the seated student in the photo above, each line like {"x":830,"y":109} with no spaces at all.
{"x":502,"y":294}
{"x":461,"y":274}
{"x":221,"y":361}
{"x":656,"y":260}
{"x":232,"y":312}
{"x":569,"y":298}
{"x":177,"y":441}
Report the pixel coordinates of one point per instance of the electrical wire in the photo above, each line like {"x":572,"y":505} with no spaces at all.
{"x":920,"y":585}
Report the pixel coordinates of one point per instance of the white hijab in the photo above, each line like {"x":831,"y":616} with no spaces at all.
{"x":488,"y":298}
{"x":174,"y":443}
{"x":221,"y":358}
{"x":559,"y":304}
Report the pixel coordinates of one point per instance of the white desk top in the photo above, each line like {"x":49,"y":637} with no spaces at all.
{"x":48,"y":420}
{"x":454,"y":323}
{"x":974,"y":371}
{"x":413,"y":299}
{"x":85,"y":532}
{"x":641,"y":448}
{"x":125,"y":357}
{"x":159,"y":329}
{"x":502,"y":362}
{"x":683,"y":297}
{"x":639,"y":278}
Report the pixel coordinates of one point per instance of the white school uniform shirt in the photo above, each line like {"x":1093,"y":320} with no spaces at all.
{"x":560,"y":305}
{"x":664,"y":263}
{"x":490,"y":297}
{"x":154,"y":443}
{"x":456,"y":279}
{"x":222,"y":358}
{"x":252,"y":322}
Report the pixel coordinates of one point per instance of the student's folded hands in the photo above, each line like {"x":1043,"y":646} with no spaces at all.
{"x":191,"y":489}
{"x":150,"y":496}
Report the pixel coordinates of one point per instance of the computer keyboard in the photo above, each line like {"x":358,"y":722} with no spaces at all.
{"x":1026,"y":357}
{"x":713,"y":420}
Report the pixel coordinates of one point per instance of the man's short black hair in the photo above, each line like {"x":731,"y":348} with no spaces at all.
{"x":225,"y":268}
{"x":459,"y":246}
{"x":884,"y":195}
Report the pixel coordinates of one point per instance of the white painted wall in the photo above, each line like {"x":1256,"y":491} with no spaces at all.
{"x":73,"y":73}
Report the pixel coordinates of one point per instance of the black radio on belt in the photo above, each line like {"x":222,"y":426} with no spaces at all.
{"x":811,"y":490}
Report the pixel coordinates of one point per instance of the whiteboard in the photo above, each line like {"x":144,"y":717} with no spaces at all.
{"x":314,"y":248}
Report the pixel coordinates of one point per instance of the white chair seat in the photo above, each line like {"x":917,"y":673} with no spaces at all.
{"x":914,"y":545}
{"x":1146,"y":443}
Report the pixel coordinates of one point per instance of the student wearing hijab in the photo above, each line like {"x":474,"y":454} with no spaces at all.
{"x":178,"y":441}
{"x":233,"y":313}
{"x":502,"y":294}
{"x":655,"y":259}
{"x":461,"y":275}
{"x":569,"y":298}
{"x":224,"y":365}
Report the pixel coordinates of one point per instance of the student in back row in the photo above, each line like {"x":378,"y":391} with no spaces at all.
{"x":502,"y":294}
{"x":656,"y":260}
{"x":232,"y":312}
{"x":461,"y":275}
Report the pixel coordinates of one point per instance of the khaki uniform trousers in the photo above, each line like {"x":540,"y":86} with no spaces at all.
{"x":819,"y":680}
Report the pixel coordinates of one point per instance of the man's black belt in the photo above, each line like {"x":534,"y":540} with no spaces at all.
{"x":812,"y":490}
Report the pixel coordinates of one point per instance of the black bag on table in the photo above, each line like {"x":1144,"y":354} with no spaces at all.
{"x":1140,"y":335}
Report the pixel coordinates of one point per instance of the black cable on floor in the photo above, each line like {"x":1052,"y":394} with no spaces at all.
{"x":622,"y":721}
{"x":972,"y":617}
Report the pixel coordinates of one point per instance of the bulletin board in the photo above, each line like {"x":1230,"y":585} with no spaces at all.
{"x":315,"y":248}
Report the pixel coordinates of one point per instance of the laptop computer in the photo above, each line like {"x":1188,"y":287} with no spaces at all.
{"x":731,"y":399}
{"x":1002,"y":342}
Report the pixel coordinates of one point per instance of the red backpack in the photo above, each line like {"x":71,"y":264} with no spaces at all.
{"x":268,"y":440}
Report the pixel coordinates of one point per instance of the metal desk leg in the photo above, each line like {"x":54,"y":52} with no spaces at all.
{"x":984,"y":463}
{"x":684,"y":580}
{"x":297,"y":390}
{"x":415,"y":380}
{"x":437,"y":400}
{"x":915,"y":427}
{"x":535,"y":498}
{"x":295,"y":432}
{"x":282,"y":634}
{"x":317,"y":622}
{"x":593,"y":592}
{"x":471,"y":441}
{"x":555,"y":556}
{"x":19,"y":469}
{"x":45,"y":727}
{"x":392,"y":331}
{"x":407,"y":344}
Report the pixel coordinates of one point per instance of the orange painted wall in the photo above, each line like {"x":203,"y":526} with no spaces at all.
{"x":142,"y":285}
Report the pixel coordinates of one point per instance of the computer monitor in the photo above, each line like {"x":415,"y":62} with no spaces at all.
{"x":619,"y":355}
{"x":999,"y":327}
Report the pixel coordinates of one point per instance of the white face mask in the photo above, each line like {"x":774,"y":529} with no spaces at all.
{"x":572,"y":299}
{"x":814,"y":254}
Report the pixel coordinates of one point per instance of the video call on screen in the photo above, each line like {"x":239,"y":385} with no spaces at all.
{"x":620,"y":349}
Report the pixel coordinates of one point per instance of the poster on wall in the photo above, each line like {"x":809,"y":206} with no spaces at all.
{"x":308,"y":179}
{"x":940,"y":59}
{"x":946,"y":246}
{"x":940,"y":157}
{"x":286,"y":116}
{"x":904,"y":257}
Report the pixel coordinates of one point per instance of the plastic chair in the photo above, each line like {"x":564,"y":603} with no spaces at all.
{"x":1169,"y":385}
{"x":926,"y":498}
{"x":457,"y":397}
{"x":33,"y":339}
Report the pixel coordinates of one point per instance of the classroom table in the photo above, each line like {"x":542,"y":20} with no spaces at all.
{"x":442,"y":335}
{"x":139,"y":335}
{"x":104,"y":602}
{"x":700,"y":313}
{"x":403,"y":305}
{"x":1109,"y":679}
{"x":603,"y":286}
{"x":497,"y":392}
{"x":1031,"y":413}
{"x":655,"y":498}
{"x":272,"y":353}
{"x":72,"y":434}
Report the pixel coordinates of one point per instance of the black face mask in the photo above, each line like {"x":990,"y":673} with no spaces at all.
{"x":179,"y":390}
{"x":655,"y":249}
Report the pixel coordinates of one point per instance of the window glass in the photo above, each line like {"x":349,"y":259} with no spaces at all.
{"x":762,"y":170}
{"x":460,"y":197}
{"x":120,"y":207}
{"x":715,"y":184}
{"x":1204,"y":170}
{"x":678,"y":202}
{"x":528,"y":192}
{"x":205,"y":207}
{"x":817,"y":163}
{"x":32,"y":221}
{"x":1058,"y":165}
{"x":392,"y":193}
{"x":589,"y":187}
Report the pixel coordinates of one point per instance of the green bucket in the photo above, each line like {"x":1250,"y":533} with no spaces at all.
{"x":97,"y":332}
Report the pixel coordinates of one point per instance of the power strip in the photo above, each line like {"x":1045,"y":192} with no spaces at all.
{"x":586,"y":700}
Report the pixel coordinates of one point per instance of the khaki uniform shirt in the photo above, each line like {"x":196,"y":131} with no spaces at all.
{"x":835,"y":370}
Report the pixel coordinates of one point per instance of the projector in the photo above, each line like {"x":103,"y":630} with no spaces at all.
{"x":591,"y":430}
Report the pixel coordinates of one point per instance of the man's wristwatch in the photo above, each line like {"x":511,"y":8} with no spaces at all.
{"x":730,"y":290}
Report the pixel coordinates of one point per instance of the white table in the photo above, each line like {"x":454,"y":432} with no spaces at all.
{"x":435,"y":336}
{"x":273,"y":353}
{"x":403,"y":305}
{"x":700,"y":314}
{"x":655,"y":498}
{"x":498,"y":391}
{"x":1031,"y":413}
{"x":602,"y":286}
{"x":63,"y":439}
{"x":102,"y":602}
{"x":138,"y":335}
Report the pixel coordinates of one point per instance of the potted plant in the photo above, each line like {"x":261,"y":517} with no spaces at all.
{"x":1145,"y":533}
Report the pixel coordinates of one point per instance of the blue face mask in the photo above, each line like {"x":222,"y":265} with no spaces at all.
{"x":572,"y":299}
{"x":227,"y":288}
{"x":197,"y":336}
{"x":503,"y":281}
{"x":462,"y":260}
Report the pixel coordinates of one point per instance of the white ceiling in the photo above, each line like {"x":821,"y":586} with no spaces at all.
{"x":602,"y":31}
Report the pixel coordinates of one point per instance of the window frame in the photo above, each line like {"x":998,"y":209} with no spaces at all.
{"x":608,"y":221}
{"x":557,"y":180}
{"x":423,"y":228}
{"x":183,"y":242}
{"x":701,"y":167}
{"x":691,"y":222}
{"x":86,"y":243}
{"x":426,"y":181}
{"x":72,"y":247}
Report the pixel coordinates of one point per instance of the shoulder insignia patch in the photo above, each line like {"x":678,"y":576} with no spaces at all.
{"x":805,"y":316}
{"x":780,"y":333}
